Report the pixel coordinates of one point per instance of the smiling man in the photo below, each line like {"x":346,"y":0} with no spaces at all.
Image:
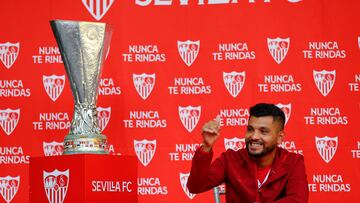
{"x":262,"y":172}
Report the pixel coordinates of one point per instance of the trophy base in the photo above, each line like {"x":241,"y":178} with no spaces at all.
{"x":85,"y":144}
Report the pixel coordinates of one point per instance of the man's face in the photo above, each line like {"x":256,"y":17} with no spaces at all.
{"x":262,"y":136}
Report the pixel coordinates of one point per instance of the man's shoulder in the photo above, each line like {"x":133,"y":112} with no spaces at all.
{"x":289,"y":158}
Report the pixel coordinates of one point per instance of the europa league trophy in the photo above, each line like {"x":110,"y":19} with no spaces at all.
{"x":83,"y":46}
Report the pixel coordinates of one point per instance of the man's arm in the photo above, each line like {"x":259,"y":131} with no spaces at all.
{"x":297,"y":190}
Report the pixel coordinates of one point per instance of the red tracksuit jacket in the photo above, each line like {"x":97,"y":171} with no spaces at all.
{"x":286,"y":183}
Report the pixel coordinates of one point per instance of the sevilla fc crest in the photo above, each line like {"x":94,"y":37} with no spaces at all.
{"x":56,"y":185}
{"x":54,"y":85}
{"x":189,"y":116}
{"x":326,"y":146}
{"x":234,"y":82}
{"x":286,"y":108}
{"x":9,"y":53}
{"x":97,"y":8}
{"x":145,"y":150}
{"x":324,"y":81}
{"x":103,"y":116}
{"x":8,"y":187}
{"x":144,"y":84}
{"x":188,"y":51}
{"x":278,"y":48}
{"x":234,"y":143}
{"x":9,"y":119}
{"x":53,"y":148}
{"x":183,"y":181}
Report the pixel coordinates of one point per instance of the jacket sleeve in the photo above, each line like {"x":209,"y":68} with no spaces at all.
{"x":297,"y":190}
{"x":205,"y":175}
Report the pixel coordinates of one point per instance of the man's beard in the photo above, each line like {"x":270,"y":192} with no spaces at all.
{"x":267,"y":149}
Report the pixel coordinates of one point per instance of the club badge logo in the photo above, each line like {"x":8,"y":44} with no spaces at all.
{"x":286,"y":108}
{"x":326,"y":146}
{"x":98,"y":8}
{"x":103,"y":116}
{"x":54,"y":85}
{"x":234,"y":143}
{"x":188,"y":51}
{"x":9,"y":53}
{"x":9,"y":119}
{"x":183,"y":181}
{"x":234,"y":82}
{"x":53,"y":148}
{"x":9,"y":187}
{"x":278,"y":48}
{"x":145,"y":150}
{"x":189,"y":116}
{"x":56,"y":185}
{"x":324,"y":81}
{"x":144,"y":84}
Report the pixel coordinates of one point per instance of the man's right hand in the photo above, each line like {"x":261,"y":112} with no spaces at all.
{"x":210,"y":132}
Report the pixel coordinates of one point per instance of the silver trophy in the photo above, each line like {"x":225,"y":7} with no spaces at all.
{"x":83,"y":46}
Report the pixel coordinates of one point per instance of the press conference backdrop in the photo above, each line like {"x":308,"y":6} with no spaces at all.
{"x":172,"y":66}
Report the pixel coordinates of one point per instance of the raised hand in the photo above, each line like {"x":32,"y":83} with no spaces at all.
{"x":210,"y":132}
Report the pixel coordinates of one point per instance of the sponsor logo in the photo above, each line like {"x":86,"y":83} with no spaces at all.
{"x":53,"y":148}
{"x":103,"y":116}
{"x":9,"y":187}
{"x":329,"y":183}
{"x":324,"y":81}
{"x":144,"y":84}
{"x":98,"y":8}
{"x":54,"y":85}
{"x":326,"y":146}
{"x":9,"y":119}
{"x":286,"y":108}
{"x":56,"y":185}
{"x":189,"y":116}
{"x":145,"y":150}
{"x":234,"y":143}
{"x":183,"y":152}
{"x":354,"y":86}
{"x":234,"y":82}
{"x":9,"y":53}
{"x":188,"y":51}
{"x":278,"y":48}
{"x":324,"y":50}
{"x":183,"y":181}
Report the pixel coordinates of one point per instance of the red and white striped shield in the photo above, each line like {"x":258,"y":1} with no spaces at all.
{"x":326,"y":146}
{"x":56,"y":185}
{"x":145,"y":150}
{"x":97,"y":8}
{"x":144,"y":84}
{"x":9,"y":53}
{"x":189,"y":116}
{"x":188,"y":51}
{"x":54,"y":85}
{"x":234,"y":82}
{"x":234,"y":143}
{"x":183,"y":181}
{"x":286,"y":108}
{"x":9,"y":119}
{"x":53,"y":148}
{"x":103,"y":116}
{"x":324,"y":81}
{"x":278,"y":48}
{"x":9,"y":187}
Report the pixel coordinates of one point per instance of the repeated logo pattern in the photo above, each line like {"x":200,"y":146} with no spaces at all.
{"x":53,"y":148}
{"x":145,"y":150}
{"x":234,"y":82}
{"x":189,"y":116}
{"x":144,"y":84}
{"x":54,"y":85}
{"x":234,"y":143}
{"x":9,"y":187}
{"x":9,"y":119}
{"x":188,"y":51}
{"x":286,"y":108}
{"x":103,"y":116}
{"x":278,"y":48}
{"x":183,"y":181}
{"x":324,"y":81}
{"x":98,"y":8}
{"x":326,"y":146}
{"x":9,"y":53}
{"x":56,"y":185}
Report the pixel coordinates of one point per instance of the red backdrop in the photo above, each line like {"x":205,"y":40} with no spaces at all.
{"x":172,"y":66}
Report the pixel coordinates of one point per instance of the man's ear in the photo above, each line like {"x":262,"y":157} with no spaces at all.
{"x":281,"y":136}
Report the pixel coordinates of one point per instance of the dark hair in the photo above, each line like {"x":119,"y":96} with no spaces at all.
{"x":263,"y":109}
